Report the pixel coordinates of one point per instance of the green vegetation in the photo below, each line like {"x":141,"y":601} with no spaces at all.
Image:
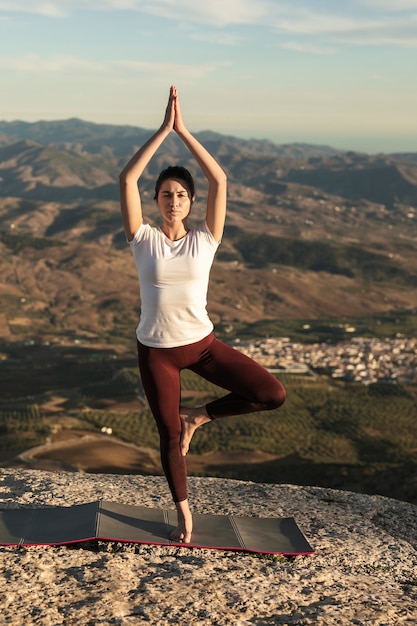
{"x":320,"y":256}
{"x":17,"y":243}
{"x":19,"y":418}
{"x":328,"y":433}
{"x":21,"y":427}
{"x":389,"y":324}
{"x":136,"y":427}
{"x":320,"y":422}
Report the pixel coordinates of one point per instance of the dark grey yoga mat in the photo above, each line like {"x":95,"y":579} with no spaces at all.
{"x":111,"y":521}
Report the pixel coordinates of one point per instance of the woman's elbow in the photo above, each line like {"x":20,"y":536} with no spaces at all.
{"x":127,"y":178}
{"x":222,"y":179}
{"x":123,"y":178}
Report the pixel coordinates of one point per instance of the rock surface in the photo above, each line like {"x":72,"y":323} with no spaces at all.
{"x":364,"y":570}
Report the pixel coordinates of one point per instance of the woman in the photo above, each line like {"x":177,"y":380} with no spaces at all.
{"x":175,"y":332}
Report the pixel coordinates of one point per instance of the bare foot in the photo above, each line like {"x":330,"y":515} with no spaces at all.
{"x":182,"y":533}
{"x":191,"y":419}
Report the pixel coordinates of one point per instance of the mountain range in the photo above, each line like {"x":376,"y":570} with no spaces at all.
{"x":312,"y":232}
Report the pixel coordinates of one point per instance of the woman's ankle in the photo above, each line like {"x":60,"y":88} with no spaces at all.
{"x":182,"y":533}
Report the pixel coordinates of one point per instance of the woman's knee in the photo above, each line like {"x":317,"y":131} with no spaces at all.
{"x":276,"y":396}
{"x":169,"y":436}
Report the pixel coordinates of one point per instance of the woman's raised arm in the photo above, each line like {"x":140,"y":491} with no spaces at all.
{"x":216,"y":199}
{"x":130,"y":203}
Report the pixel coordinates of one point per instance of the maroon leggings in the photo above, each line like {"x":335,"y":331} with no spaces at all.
{"x":252,"y":388}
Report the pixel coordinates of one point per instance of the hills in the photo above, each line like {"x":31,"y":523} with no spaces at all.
{"x":314,"y":237}
{"x":312,"y":232}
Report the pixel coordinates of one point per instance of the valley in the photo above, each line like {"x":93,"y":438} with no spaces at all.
{"x":316,"y":241}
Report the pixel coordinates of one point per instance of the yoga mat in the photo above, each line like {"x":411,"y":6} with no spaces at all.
{"x":111,"y":521}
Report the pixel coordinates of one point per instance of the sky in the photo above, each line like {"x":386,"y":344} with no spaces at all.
{"x":336,"y":72}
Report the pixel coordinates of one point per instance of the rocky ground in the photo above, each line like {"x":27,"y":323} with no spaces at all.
{"x":364,"y":570}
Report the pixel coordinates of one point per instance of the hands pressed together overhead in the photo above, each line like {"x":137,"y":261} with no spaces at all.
{"x":130,"y":201}
{"x":173,"y":116}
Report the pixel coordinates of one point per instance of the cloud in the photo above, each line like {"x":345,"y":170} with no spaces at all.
{"x":217,"y":38}
{"x":394,"y":32}
{"x":309,"y":23}
{"x":390,"y":5}
{"x":173,"y":69}
{"x":358,"y":30}
{"x":214,"y":12}
{"x":357,"y":22}
{"x":55,"y":8}
{"x":59,"y":64}
{"x":307,"y":48}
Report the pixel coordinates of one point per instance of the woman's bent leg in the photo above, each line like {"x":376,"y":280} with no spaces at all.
{"x":252,"y":387}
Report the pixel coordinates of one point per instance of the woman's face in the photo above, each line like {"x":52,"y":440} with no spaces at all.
{"x":174,"y":201}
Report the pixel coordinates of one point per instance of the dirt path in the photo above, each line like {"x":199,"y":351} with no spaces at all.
{"x":78,"y":450}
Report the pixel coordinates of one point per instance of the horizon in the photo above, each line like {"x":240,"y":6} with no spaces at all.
{"x":208,"y":130}
{"x":311,"y":73}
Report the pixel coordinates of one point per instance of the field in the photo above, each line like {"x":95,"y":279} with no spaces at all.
{"x":328,"y":433}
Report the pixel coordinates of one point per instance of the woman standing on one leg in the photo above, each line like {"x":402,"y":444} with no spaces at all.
{"x":175,"y":332}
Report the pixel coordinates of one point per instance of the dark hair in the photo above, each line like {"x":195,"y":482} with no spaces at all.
{"x":176,"y":171}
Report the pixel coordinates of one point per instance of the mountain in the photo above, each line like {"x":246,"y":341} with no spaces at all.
{"x":312,"y":232}
{"x":383,"y":179}
{"x":92,"y":137}
{"x":64,"y":153}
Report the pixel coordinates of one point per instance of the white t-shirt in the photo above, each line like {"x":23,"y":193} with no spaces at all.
{"x":173,"y":278}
